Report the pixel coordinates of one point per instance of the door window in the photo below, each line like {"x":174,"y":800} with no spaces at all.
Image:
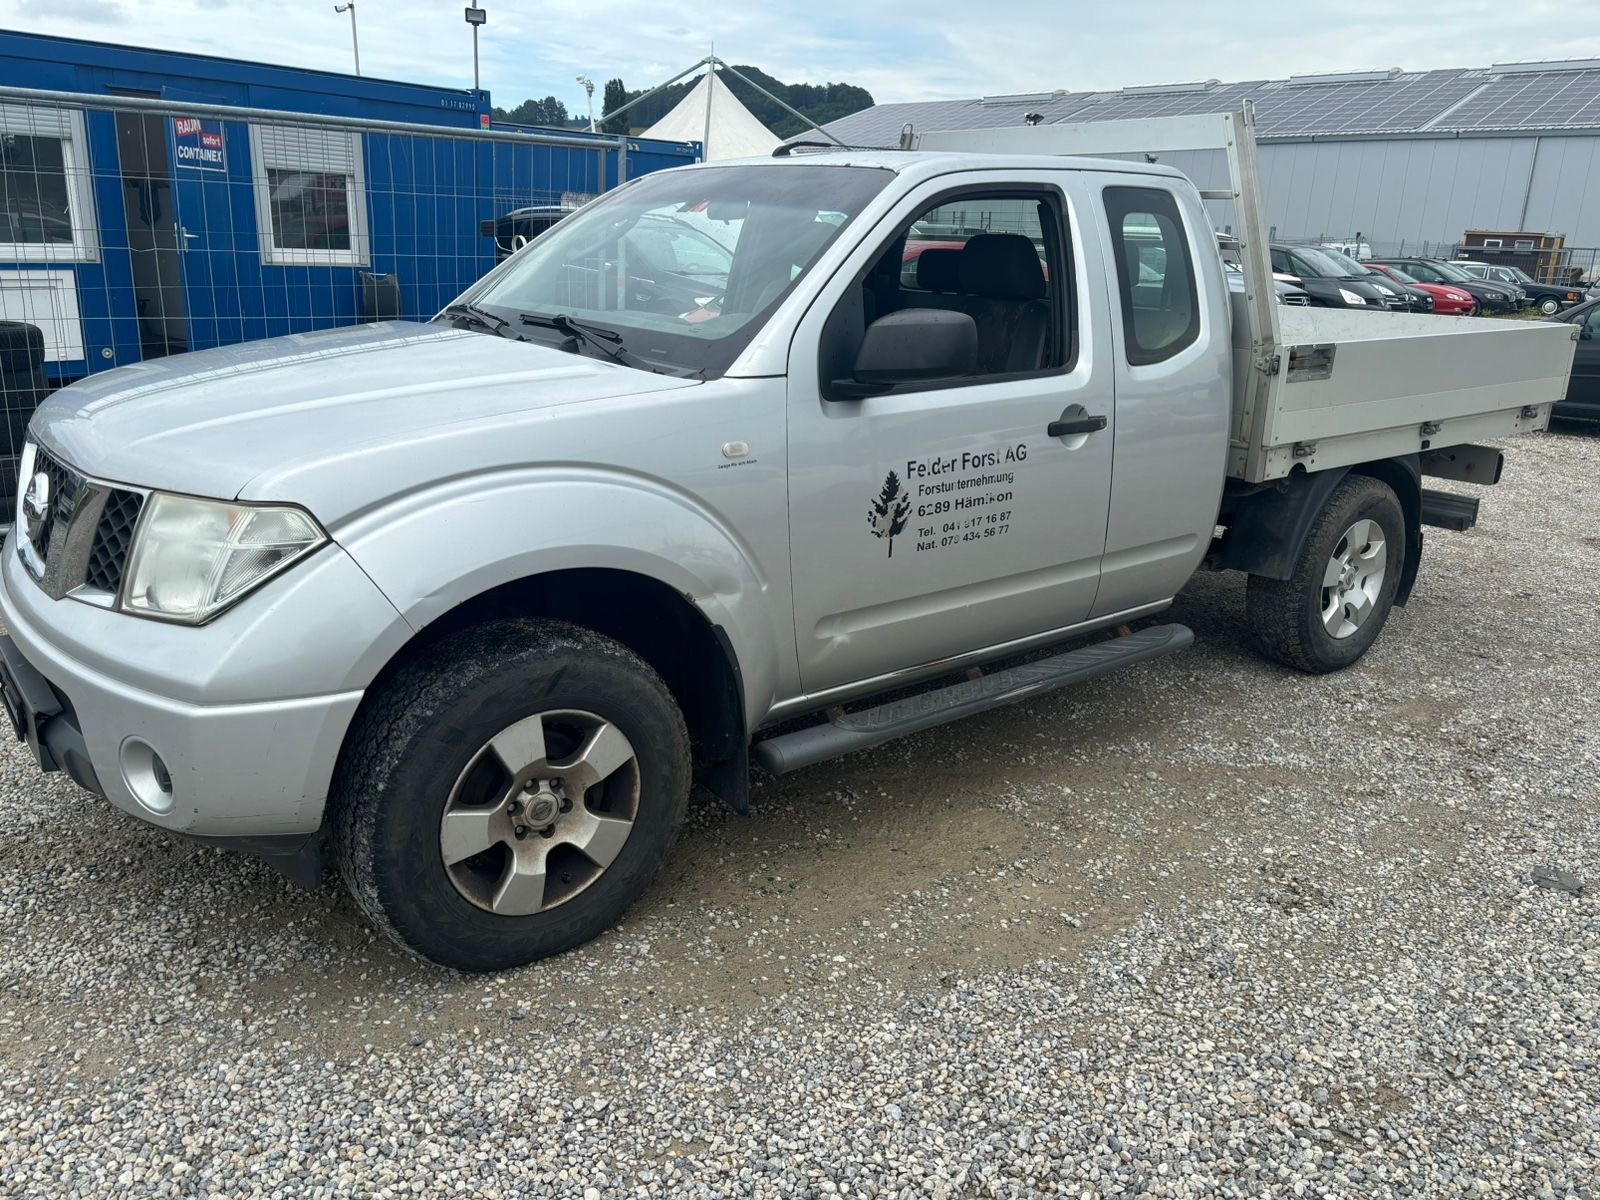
{"x":1155,"y":273}
{"x":310,"y":196}
{"x":999,"y":257}
{"x":46,"y":214}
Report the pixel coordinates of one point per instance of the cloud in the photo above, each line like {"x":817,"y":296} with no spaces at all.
{"x":99,"y":12}
{"x":897,"y":49}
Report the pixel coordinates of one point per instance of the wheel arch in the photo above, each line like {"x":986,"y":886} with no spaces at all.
{"x":1267,"y":528}
{"x":695,"y":657}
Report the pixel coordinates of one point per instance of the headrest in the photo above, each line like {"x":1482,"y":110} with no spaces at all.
{"x":939,"y":270}
{"x":1002,"y":266}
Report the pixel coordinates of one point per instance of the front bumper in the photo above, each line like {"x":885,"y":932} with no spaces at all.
{"x":246,"y":714}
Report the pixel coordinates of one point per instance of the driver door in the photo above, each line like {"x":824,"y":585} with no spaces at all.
{"x":937,"y":519}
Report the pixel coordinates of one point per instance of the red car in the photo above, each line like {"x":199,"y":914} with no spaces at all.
{"x":1447,"y":301}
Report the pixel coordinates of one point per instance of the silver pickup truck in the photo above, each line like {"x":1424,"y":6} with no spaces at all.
{"x":700,"y":475}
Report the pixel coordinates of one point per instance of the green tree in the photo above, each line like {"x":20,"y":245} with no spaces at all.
{"x":549,"y":112}
{"x":616,"y":96}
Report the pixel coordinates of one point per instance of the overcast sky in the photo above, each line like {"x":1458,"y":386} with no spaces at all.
{"x":896,"y":49}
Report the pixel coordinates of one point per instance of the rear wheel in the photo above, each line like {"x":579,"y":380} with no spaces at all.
{"x":1326,"y":615}
{"x":509,"y":794}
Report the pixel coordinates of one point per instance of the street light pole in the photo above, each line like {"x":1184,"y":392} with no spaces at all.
{"x":355,"y":45}
{"x":475,"y":17}
{"x":588,"y":86}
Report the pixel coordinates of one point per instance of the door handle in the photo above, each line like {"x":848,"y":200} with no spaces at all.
{"x":1077,"y":425}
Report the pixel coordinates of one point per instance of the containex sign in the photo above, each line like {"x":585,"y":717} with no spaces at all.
{"x":198,"y":144}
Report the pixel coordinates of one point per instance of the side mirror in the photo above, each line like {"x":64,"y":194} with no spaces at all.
{"x":915,"y":345}
{"x":1585,"y":334}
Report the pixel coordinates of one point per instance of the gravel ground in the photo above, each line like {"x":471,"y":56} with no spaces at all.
{"x":1206,"y":928}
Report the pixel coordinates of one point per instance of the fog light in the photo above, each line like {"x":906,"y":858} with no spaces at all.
{"x":146,"y":775}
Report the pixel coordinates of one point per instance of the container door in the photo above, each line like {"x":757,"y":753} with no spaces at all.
{"x":210,"y":212}
{"x":143,"y":157}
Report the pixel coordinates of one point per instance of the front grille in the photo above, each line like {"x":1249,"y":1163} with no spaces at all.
{"x":75,"y":542}
{"x":1298,"y":301}
{"x":62,"y":485}
{"x":113,"y":538}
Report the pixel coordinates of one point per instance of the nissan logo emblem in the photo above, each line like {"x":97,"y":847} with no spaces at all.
{"x":36,"y":507}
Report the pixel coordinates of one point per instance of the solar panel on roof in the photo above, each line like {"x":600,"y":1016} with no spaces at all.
{"x":1469,"y":99}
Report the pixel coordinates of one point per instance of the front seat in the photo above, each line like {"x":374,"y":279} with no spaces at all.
{"x":1004,"y":292}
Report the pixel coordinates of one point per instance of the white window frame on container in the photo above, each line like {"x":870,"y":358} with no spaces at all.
{"x":313,"y":150}
{"x":66,"y":125}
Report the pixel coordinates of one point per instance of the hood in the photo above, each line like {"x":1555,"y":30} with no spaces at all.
{"x":208,"y":423}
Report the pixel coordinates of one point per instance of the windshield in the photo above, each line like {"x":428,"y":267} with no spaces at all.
{"x":1324,"y":264}
{"x":1454,"y":274}
{"x":1399,"y":276}
{"x":681,"y":265}
{"x":1522,"y":276}
{"x":1348,"y":266}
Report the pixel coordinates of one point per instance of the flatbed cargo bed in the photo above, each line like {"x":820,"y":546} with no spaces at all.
{"x":1353,"y":387}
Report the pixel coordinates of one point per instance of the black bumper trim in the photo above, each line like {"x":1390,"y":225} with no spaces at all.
{"x":30,"y":701}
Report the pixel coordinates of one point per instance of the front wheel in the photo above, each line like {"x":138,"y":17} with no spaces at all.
{"x":510,"y":793}
{"x":1325,"y":616}
{"x":1549,"y":307}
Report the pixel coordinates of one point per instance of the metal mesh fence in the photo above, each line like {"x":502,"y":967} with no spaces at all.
{"x":132,"y":229}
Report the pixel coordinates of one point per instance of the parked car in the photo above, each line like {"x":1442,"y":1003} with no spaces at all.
{"x":1327,"y":276}
{"x":1448,"y":300}
{"x":1410,"y":300}
{"x":1491,"y":297}
{"x":513,"y":230}
{"x":1549,"y":298}
{"x":1287,"y":292}
{"x":1583,"y":389}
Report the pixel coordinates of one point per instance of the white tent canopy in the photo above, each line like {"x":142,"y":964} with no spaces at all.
{"x":734,"y":130}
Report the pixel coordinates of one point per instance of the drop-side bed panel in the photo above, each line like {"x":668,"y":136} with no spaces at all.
{"x":1354,"y":386}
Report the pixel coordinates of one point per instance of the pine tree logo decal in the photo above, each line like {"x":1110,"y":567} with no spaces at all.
{"x":889,"y":511}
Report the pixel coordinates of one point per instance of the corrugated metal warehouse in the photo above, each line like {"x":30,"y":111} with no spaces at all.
{"x":1410,"y":160}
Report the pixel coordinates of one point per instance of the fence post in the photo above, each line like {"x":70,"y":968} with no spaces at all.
{"x":622,"y":159}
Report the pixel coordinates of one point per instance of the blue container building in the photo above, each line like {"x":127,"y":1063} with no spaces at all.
{"x":140,"y":221}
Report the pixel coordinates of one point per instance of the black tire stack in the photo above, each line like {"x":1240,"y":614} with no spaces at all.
{"x":22,"y":386}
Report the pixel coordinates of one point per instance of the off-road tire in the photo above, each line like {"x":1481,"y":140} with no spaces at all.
{"x":1285,"y":615}
{"x":412,"y":741}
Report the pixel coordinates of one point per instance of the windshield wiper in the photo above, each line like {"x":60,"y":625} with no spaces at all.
{"x":472,"y":315}
{"x":606,"y":341}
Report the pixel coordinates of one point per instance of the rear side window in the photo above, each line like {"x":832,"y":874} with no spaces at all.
{"x":1155,"y":274}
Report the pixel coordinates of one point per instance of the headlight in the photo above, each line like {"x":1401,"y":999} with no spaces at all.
{"x":1352,"y":299}
{"x":193,"y":558}
{"x":1382,"y":291}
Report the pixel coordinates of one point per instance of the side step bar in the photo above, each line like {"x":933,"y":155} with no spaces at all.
{"x":1447,"y":510}
{"x":873,"y":726}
